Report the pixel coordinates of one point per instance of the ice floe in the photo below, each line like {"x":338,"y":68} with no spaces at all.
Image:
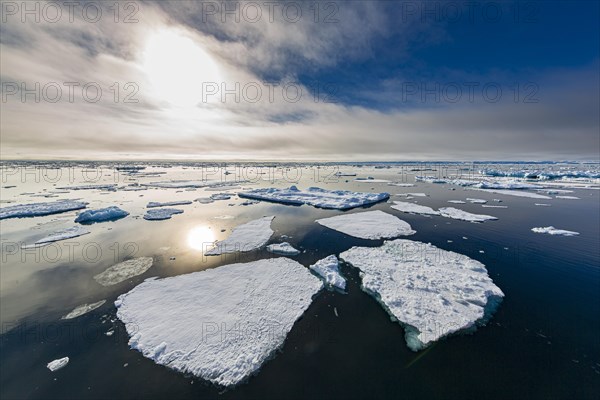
{"x":413,"y":208}
{"x":371,"y":180}
{"x":58,"y":364}
{"x":41,"y":209}
{"x":64,"y":234}
{"x":284,"y":248}
{"x":516,"y":193}
{"x":109,"y":186}
{"x":456,"y":201}
{"x":182,"y":184}
{"x":401,"y":184}
{"x":455,"y":213}
{"x":157,"y":214}
{"x":476,"y":201}
{"x":246,"y":237}
{"x":112,"y":213}
{"x":83,"y":309}
{"x":431,"y":292}
{"x":154,"y":204}
{"x":316,"y":197}
{"x":220,"y":324}
{"x":568,"y":197}
{"x":328,"y":270}
{"x":550,"y":230}
{"x":368,"y":225}
{"x":124,"y":270}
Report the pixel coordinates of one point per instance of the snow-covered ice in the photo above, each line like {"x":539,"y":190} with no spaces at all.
{"x":181,"y":184}
{"x":431,"y":292}
{"x":316,"y":197}
{"x":112,"y":213}
{"x":369,"y":225}
{"x":516,"y":193}
{"x":401,"y":184}
{"x":413,"y":208}
{"x":284,"y":248}
{"x":246,"y":237}
{"x":568,"y":197}
{"x":550,"y":230}
{"x":455,"y":213}
{"x":476,"y":201}
{"x":154,"y":204}
{"x":157,"y":214}
{"x":40,"y":209}
{"x":456,"y":201}
{"x":64,"y":234}
{"x":124,"y":270}
{"x":219,"y":324}
{"x":328,"y":269}
{"x":371,"y":180}
{"x":106,"y":186}
{"x":58,"y":364}
{"x":83,"y":309}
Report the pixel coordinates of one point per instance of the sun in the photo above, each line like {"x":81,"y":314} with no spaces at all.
{"x":200,"y":238}
{"x":177,"y":67}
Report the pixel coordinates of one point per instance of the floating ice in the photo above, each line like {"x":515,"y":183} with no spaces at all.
{"x":220,"y":196}
{"x":542,"y":204}
{"x":491,"y":206}
{"x":220,"y":324}
{"x":112,"y":213}
{"x":550,"y":230}
{"x":456,"y":201}
{"x":568,"y":197}
{"x":516,"y":193}
{"x":369,"y":225}
{"x":344,"y":174}
{"x":284,"y":248}
{"x":247,"y":237}
{"x":476,"y":201}
{"x":189,"y":184}
{"x":431,"y":292}
{"x":109,"y":186}
{"x":64,"y":234}
{"x":154,"y":204}
{"x":412,"y":208}
{"x":317,"y":197}
{"x":400,"y":184}
{"x":161,"y":213}
{"x":124,"y":270}
{"x":58,"y":364}
{"x":83,"y":309}
{"x":328,"y":269}
{"x":455,"y":213}
{"x":371,"y":180}
{"x":40,"y":209}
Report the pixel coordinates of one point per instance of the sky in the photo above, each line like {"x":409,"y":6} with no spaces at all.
{"x":335,"y":81}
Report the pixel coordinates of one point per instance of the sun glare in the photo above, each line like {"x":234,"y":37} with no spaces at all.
{"x":200,"y":238}
{"x":177,"y":66}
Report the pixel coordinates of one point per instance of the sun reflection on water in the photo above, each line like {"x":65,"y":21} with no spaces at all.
{"x":200,"y":237}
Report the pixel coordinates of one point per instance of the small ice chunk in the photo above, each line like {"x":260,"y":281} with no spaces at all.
{"x":161,"y":213}
{"x":83,"y":309}
{"x":284,"y":248}
{"x":568,"y":197}
{"x":542,"y":204}
{"x":41,"y":209}
{"x":432,"y":292}
{"x":455,"y":213}
{"x":413,"y":208}
{"x":370,"y":179}
{"x":154,"y":204}
{"x":401,"y":184}
{"x":58,"y":364}
{"x":219,"y":324}
{"x":492,"y":206}
{"x":550,"y":230}
{"x":369,"y":225}
{"x":247,"y":237}
{"x":124,"y":270}
{"x":476,"y":201}
{"x":456,"y":201}
{"x":316,"y":197}
{"x":517,"y":193}
{"x":220,"y":196}
{"x":328,"y":269}
{"x":64,"y":234}
{"x":112,"y":213}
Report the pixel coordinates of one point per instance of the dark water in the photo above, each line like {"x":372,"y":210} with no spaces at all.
{"x":542,"y":342}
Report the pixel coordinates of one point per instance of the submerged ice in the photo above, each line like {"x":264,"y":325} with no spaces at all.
{"x":83,"y":309}
{"x":124,"y":270}
{"x":431,"y":292}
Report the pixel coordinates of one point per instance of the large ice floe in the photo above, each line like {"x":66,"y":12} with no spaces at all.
{"x":284,"y":249}
{"x":369,"y":225}
{"x":246,"y":237}
{"x":64,"y":234}
{"x":550,"y":230}
{"x":158,"y":214}
{"x":40,"y":209}
{"x":220,"y":324}
{"x":516,"y":193}
{"x":83,"y":309}
{"x":412,"y":208}
{"x":455,"y":213}
{"x":316,"y":197}
{"x":112,"y":213}
{"x":328,"y":269}
{"x":58,"y":364}
{"x":124,"y":270}
{"x":432,"y":292}
{"x":154,"y":204}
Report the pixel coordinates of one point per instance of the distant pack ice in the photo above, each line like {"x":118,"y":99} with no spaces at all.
{"x":40,"y":209}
